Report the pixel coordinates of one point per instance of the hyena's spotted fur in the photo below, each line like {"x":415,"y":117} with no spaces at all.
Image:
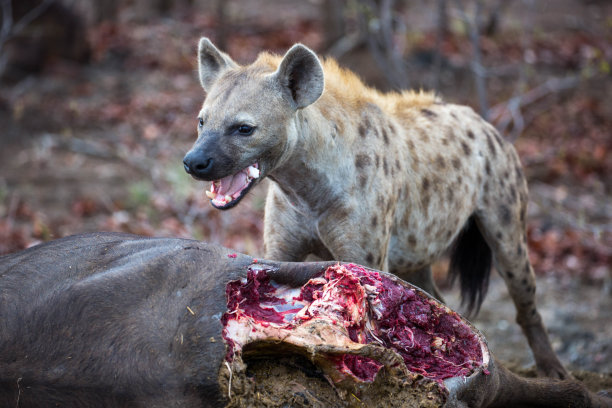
{"x":385,"y":180}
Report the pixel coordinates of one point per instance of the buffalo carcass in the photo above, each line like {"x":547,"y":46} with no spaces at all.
{"x":115,"y":320}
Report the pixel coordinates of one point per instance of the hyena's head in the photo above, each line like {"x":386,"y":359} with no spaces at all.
{"x":246,"y":127}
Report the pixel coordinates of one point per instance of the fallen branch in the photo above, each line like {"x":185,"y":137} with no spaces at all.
{"x":8,"y":28}
{"x":509,"y":113}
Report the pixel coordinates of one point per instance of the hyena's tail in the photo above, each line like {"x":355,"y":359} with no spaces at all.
{"x":471,"y":261}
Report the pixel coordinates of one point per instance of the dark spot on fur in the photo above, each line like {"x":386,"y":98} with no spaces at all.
{"x":363,"y":180}
{"x":491,"y":145}
{"x":362,"y":130}
{"x":453,"y":115}
{"x":410,"y":145}
{"x":513,"y":193}
{"x":385,"y":136}
{"x":412,"y":240}
{"x":485,"y":187}
{"x":423,"y":135}
{"x":498,"y":235}
{"x":456,"y":163}
{"x":451,"y":193}
{"x":380,"y":200}
{"x":398,"y":165}
{"x":428,"y":229}
{"x":364,"y":127}
{"x":445,"y":141}
{"x":362,"y":160}
{"x":505,"y":216}
{"x":524,"y":282}
{"x":470,"y":134}
{"x":440,"y":162}
{"x":488,"y":167}
{"x":369,"y":258}
{"x":510,"y":275}
{"x":519,"y":173}
{"x":428,"y":113}
{"x":377,"y":161}
{"x":425,"y":200}
{"x":498,"y":139}
{"x":339,"y":213}
{"x":519,"y":250}
{"x":425,"y":184}
{"x":466,"y":148}
{"x":385,"y":166}
{"x":374,"y":221}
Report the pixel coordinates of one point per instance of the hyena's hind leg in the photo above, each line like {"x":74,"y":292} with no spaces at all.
{"x":502,"y":222}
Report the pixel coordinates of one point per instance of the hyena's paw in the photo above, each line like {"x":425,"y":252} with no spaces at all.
{"x":552,"y":368}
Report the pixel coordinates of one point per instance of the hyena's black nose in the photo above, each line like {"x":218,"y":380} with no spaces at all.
{"x":197,"y":164}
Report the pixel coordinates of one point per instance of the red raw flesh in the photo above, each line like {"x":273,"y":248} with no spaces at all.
{"x":249,"y":297}
{"x":432,"y":341}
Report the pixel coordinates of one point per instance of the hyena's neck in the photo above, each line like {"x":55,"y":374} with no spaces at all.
{"x":309,"y":174}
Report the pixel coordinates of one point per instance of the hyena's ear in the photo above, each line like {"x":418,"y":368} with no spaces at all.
{"x":301,"y":74}
{"x":211,"y":63}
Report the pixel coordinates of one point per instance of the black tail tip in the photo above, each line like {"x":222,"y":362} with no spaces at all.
{"x":471,"y":262}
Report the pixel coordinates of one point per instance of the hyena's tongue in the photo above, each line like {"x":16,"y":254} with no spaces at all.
{"x":229,"y":188}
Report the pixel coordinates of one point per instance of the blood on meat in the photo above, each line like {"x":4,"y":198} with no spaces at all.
{"x":368,"y":307}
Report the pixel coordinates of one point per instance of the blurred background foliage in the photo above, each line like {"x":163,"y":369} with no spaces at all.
{"x":98,"y":104}
{"x":98,"y":100}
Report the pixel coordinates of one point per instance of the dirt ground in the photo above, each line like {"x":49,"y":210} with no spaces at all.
{"x":99,"y":147}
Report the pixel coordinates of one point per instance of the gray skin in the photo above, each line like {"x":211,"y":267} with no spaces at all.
{"x":118,"y":320}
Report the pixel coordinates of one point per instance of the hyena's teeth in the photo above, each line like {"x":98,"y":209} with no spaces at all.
{"x":253,"y":172}
{"x":228,"y":199}
{"x":210,"y":194}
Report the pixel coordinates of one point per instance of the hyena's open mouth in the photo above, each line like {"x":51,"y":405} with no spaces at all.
{"x":228,"y":191}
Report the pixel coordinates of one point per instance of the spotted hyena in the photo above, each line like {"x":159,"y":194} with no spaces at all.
{"x":391,"y":181}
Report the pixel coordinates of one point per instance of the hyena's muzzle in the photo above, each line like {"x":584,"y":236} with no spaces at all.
{"x":231,"y":180}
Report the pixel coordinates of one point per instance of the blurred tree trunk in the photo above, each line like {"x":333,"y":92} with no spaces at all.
{"x":222,"y":24}
{"x":105,"y":10}
{"x":334,"y":22}
{"x":441,"y":32}
{"x":385,"y":33}
{"x":36,"y":32}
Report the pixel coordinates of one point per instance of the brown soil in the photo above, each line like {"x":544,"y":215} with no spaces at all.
{"x":295,"y":381}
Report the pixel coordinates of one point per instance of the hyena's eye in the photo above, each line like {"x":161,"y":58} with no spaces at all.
{"x":245,"y":130}
{"x":200,"y":122}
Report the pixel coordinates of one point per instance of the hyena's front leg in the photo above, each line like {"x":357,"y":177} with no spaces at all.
{"x":503,"y":224}
{"x":351,"y":238}
{"x":286,"y":233}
